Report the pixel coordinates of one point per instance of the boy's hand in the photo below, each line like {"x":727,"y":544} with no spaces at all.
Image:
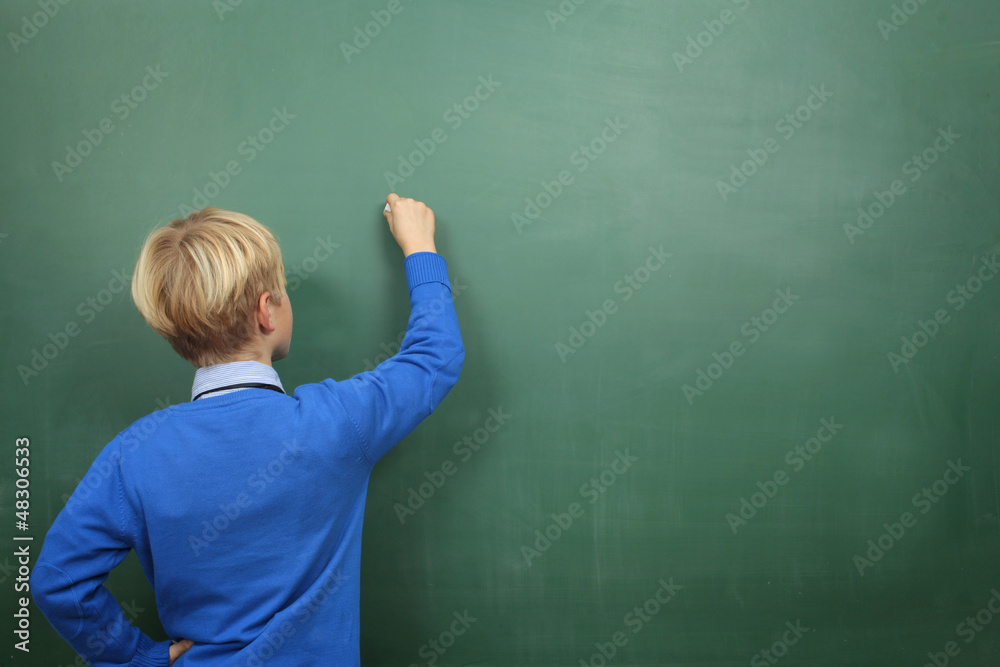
{"x":177,"y":649}
{"x":411,"y":224}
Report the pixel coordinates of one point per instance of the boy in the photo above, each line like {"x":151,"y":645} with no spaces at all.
{"x":245,"y":505}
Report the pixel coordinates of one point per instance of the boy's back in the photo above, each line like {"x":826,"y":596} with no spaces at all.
{"x":245,"y":506}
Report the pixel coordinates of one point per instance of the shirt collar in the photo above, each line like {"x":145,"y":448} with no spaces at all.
{"x":235,"y":372}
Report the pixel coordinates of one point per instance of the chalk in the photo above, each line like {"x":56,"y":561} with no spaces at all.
{"x":387,"y":209}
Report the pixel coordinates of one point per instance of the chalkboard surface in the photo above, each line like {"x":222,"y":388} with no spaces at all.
{"x":726,"y":271}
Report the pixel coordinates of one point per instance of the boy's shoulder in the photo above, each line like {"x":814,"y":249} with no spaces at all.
{"x":142,"y":428}
{"x":129,"y":439}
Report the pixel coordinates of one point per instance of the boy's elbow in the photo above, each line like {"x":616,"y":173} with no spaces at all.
{"x":457,"y":362}
{"x":40,"y":581}
{"x":42,"y":584}
{"x":444,"y":378}
{"x":49,"y":588}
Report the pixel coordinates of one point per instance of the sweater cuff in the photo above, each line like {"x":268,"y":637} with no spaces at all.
{"x":150,"y":653}
{"x":425,"y":267}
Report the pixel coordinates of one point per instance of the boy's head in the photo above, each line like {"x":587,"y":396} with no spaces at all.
{"x":213,"y":284}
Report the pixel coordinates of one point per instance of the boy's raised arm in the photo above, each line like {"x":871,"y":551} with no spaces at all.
{"x":387,"y":403}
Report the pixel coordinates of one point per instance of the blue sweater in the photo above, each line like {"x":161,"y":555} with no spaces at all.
{"x":245,"y":509}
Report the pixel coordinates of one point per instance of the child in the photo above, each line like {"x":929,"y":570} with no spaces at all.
{"x":245,"y":505}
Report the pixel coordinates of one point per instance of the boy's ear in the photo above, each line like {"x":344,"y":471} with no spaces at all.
{"x":264,"y":311}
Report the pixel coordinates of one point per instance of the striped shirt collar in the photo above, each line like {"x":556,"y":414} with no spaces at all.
{"x":235,"y":372}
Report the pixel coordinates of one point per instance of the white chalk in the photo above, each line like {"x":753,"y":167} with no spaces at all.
{"x":387,"y":209}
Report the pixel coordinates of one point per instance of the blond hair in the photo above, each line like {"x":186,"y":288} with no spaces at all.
{"x":198,"y":279}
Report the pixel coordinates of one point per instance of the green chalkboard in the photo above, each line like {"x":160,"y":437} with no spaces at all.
{"x":725,"y":271}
